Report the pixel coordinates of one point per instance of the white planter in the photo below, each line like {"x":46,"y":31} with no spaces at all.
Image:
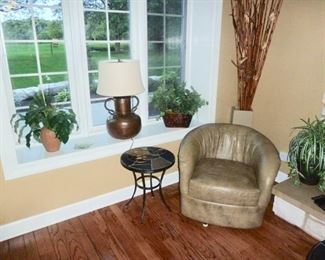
{"x":242,"y":117}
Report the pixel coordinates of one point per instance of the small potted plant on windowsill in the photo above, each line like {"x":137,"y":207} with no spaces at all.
{"x":45,"y":122}
{"x":307,"y":154}
{"x":176,"y":103}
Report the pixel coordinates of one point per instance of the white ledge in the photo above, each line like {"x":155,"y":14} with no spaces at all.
{"x":37,"y":160}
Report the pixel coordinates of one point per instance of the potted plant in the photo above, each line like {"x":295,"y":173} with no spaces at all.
{"x":254,"y":23}
{"x":45,"y":122}
{"x":176,"y":103}
{"x":307,"y":154}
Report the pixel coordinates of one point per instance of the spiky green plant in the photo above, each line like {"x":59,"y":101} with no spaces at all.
{"x":42,"y":113}
{"x":173,"y":96}
{"x":307,"y":152}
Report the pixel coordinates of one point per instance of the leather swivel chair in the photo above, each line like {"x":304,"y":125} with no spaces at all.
{"x":226,"y":175}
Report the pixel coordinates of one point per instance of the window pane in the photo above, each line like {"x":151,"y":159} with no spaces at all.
{"x":94,"y":4}
{"x":93,"y":82}
{"x":178,"y":71}
{"x":46,"y":2}
{"x":156,"y":54}
{"x":173,"y":54}
{"x":17,"y":25}
{"x":95,"y":53}
{"x":173,"y":28}
{"x":21,"y":58}
{"x":95,"y":24}
{"x":99,"y":113}
{"x":56,"y":78}
{"x":120,"y":51}
{"x":52,"y":56}
{"x":155,"y":28}
{"x":155,"y":6}
{"x":118,"y":26}
{"x":153,"y":83}
{"x":59,"y":87}
{"x":174,"y":6}
{"x":24,"y":82}
{"x":24,"y":89}
{"x":118,"y":4}
{"x":49,"y":24}
{"x":154,"y":79}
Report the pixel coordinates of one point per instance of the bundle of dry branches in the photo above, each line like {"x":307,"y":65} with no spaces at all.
{"x":254,"y":22}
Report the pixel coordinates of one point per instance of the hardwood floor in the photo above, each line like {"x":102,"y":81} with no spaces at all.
{"x":115,"y":232}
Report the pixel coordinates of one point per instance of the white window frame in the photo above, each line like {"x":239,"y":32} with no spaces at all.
{"x":18,"y":161}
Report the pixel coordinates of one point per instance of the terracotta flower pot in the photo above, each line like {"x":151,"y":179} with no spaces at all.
{"x":177,"y":119}
{"x":49,"y":140}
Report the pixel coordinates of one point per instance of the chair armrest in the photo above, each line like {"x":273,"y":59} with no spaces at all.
{"x":266,"y":162}
{"x":188,"y":156}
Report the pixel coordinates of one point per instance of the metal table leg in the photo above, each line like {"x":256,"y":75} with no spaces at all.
{"x":135,"y":189}
{"x":160,"y":190}
{"x":152,"y":194}
{"x":144,"y":197}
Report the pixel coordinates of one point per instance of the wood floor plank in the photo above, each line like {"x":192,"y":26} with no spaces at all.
{"x":116,"y":232}
{"x":134,"y":233}
{"x":77,"y":244}
{"x":17,"y":248}
{"x":106,"y":246}
{"x":80,"y":237}
{"x":58,"y":241}
{"x":31,"y":247}
{"x":4,"y":250}
{"x":44,"y":244}
{"x":150,"y":229}
{"x":120,"y":234}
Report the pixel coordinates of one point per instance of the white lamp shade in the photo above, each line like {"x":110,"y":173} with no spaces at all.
{"x":119,"y":78}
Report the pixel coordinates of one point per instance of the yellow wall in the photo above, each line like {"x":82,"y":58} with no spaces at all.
{"x":293,"y":79}
{"x":39,"y":193}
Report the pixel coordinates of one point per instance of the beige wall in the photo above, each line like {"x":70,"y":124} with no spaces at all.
{"x":293,"y":78}
{"x":35,"y":194}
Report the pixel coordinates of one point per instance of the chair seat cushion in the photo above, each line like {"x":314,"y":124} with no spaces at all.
{"x":225,"y":182}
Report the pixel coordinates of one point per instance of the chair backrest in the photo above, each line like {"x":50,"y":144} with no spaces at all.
{"x":227,"y":141}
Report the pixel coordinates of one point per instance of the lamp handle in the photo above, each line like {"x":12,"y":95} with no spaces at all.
{"x":136,"y":105}
{"x":111,"y":111}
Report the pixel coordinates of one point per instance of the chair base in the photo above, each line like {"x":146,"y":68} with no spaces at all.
{"x":222,"y":215}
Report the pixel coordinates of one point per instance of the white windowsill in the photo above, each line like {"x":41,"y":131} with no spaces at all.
{"x":37,"y":160}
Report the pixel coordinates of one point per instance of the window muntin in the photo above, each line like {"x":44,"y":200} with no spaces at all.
{"x":166,"y":41}
{"x":35,"y":49}
{"x":107,"y":37}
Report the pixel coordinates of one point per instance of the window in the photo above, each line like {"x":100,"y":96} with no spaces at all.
{"x":166,"y":42}
{"x":35,"y":48}
{"x":56,"y":44}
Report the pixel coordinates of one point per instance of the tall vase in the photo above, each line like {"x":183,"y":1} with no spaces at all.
{"x":49,"y":140}
{"x":241,"y":117}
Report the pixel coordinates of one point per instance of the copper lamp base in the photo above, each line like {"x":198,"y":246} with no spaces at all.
{"x":125,"y":123}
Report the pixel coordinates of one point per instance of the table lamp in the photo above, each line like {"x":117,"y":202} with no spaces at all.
{"x":121,"y":81}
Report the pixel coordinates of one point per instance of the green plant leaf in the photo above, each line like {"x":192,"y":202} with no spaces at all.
{"x":306,"y":151}
{"x":172,"y":95}
{"x":42,"y":113}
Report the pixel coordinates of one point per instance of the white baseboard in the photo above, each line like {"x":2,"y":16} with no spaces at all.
{"x":51,"y":217}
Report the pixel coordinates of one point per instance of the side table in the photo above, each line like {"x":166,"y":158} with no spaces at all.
{"x":146,"y":161}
